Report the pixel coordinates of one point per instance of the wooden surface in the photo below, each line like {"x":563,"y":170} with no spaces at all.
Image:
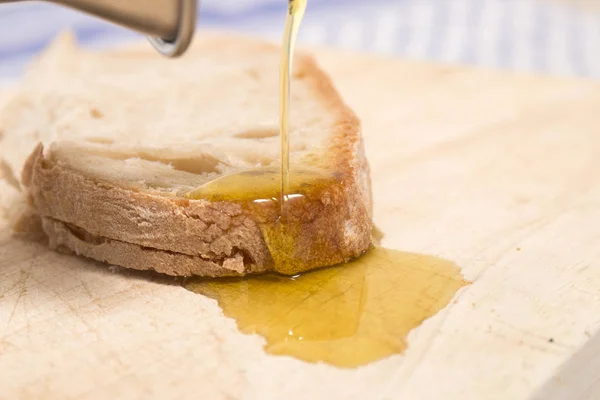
{"x":498,"y":173}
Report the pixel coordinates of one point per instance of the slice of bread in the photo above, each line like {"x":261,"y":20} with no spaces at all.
{"x":119,"y":137}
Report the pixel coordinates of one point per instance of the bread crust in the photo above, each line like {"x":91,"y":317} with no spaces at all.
{"x":177,"y":236}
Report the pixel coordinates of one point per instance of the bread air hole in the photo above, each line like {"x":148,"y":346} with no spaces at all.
{"x":257,"y":133}
{"x":197,"y":164}
{"x":99,"y":140}
{"x":200,"y":165}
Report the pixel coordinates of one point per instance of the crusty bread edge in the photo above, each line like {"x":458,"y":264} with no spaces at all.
{"x":69,"y":239}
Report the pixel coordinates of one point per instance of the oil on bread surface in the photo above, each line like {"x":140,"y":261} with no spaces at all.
{"x":124,"y":135}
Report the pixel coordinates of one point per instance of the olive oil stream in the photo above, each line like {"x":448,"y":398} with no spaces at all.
{"x":294,"y":17}
{"x":346,"y":315}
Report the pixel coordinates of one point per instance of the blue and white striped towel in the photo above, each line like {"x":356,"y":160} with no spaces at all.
{"x":560,"y":37}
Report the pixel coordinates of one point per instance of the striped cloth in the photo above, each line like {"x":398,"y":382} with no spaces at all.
{"x":559,"y":37}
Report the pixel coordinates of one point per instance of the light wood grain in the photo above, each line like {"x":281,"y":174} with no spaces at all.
{"x":498,"y":173}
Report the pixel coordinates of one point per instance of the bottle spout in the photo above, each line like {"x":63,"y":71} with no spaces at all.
{"x":169,"y":24}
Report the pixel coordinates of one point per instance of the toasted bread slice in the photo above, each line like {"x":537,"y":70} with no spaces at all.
{"x":123,"y":135}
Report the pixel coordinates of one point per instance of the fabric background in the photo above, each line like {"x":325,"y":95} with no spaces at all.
{"x":559,"y":37}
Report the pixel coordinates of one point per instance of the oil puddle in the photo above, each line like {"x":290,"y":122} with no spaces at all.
{"x":348,"y":315}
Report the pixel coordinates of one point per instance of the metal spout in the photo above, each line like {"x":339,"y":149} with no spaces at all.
{"x":169,"y":24}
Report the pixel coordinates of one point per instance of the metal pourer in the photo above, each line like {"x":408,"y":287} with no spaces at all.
{"x":169,"y":24}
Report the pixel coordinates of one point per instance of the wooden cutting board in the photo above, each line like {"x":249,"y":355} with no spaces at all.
{"x":498,"y":173}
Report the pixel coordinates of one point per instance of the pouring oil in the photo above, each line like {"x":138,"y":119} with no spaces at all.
{"x":294,"y":17}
